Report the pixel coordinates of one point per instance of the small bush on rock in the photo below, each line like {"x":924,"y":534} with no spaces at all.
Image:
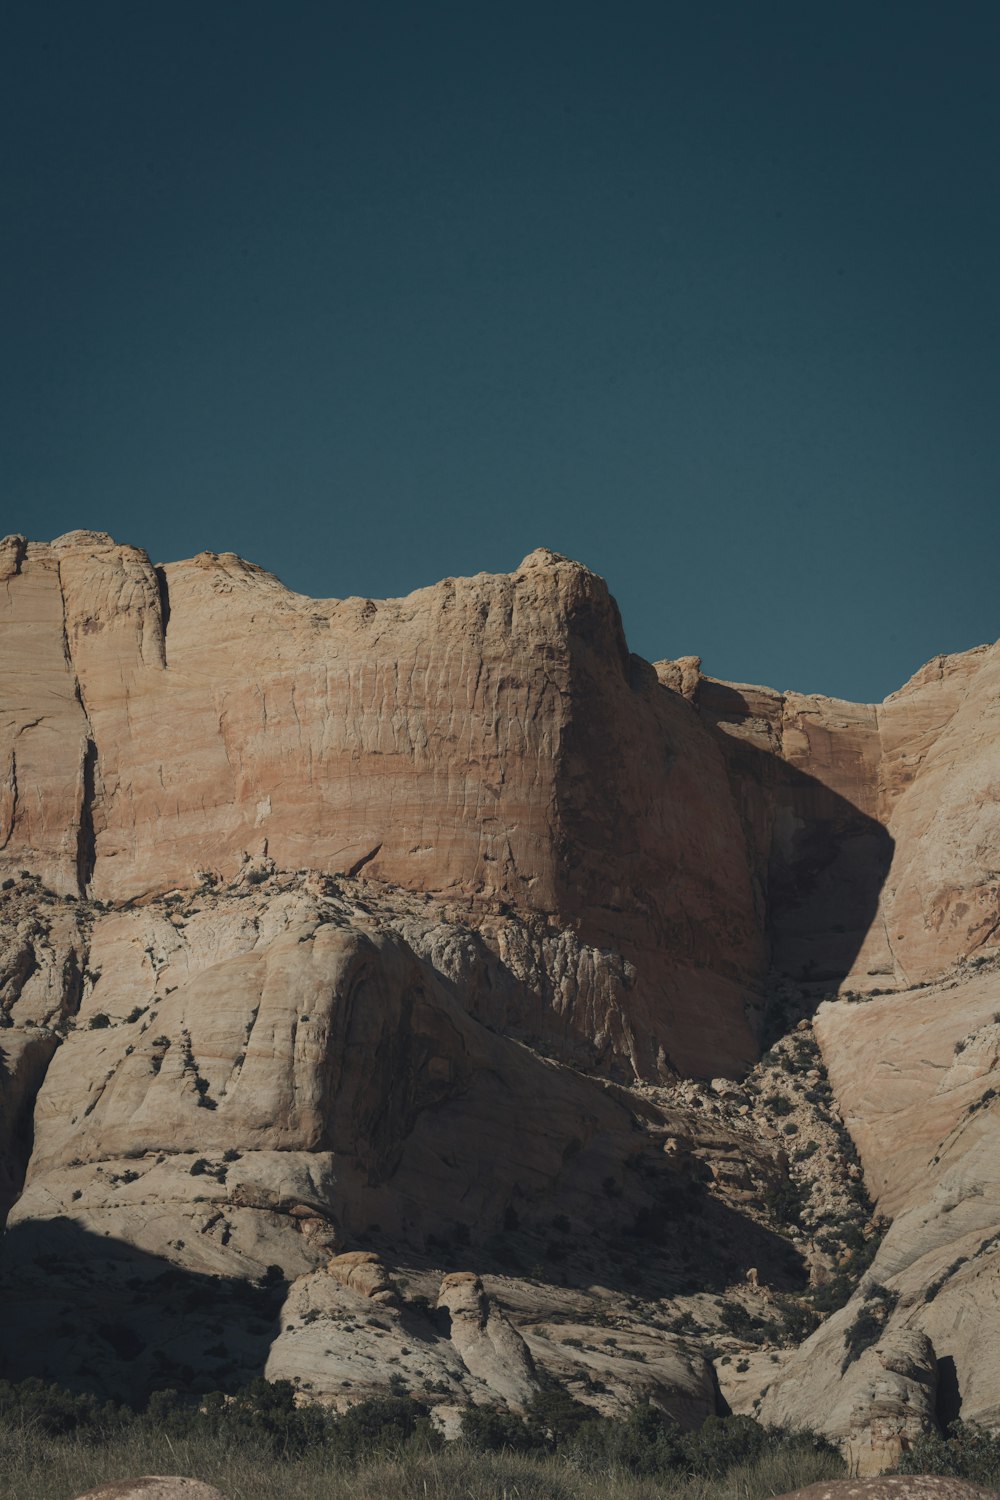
{"x":968,"y":1452}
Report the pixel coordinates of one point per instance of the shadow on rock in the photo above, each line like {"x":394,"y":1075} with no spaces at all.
{"x":96,"y":1314}
{"x":672,"y":1239}
{"x":819,"y":860}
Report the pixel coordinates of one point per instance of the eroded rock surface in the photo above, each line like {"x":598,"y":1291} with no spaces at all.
{"x":154,"y":1487}
{"x":892,"y":1487}
{"x":380,"y":981}
{"x":916,"y":1076}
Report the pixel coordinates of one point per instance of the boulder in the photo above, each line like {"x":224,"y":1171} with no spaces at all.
{"x":892,"y":1487}
{"x":154,"y":1487}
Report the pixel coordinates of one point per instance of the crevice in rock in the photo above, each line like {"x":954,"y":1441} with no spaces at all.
{"x":163,"y":589}
{"x":72,"y":977}
{"x":23,"y":1088}
{"x":948,"y":1401}
{"x":365,"y":859}
{"x":86,"y":844}
{"x":67,"y":653}
{"x":12,"y":813}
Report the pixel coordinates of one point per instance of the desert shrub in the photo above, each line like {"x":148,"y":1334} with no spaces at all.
{"x":648,"y":1443}
{"x":835,"y":1292}
{"x":264,"y":1414}
{"x":722,"y":1442}
{"x":555,"y":1416}
{"x":968,"y":1452}
{"x":645,"y":1443}
{"x":384,"y":1424}
{"x":489,"y":1431}
{"x":799,"y":1321}
{"x":935,"y":1286}
{"x":786,"y":1200}
{"x":742,"y":1324}
{"x":49,"y":1409}
{"x":869,"y":1322}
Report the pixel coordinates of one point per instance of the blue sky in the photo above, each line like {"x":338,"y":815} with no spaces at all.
{"x":704,"y":295}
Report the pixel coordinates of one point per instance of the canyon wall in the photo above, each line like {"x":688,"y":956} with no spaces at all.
{"x":325,"y":920}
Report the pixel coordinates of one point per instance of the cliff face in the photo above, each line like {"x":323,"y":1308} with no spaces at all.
{"x":328,"y":923}
{"x":912,"y":1052}
{"x":488,"y":740}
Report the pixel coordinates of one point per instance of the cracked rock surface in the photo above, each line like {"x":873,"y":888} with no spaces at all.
{"x":427,"y":994}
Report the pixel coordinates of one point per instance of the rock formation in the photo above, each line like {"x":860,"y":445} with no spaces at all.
{"x":892,"y":1487}
{"x":154,"y":1487}
{"x":378,"y":978}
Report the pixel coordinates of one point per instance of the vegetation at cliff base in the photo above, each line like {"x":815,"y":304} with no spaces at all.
{"x":967,"y":1452}
{"x":54,"y":1445}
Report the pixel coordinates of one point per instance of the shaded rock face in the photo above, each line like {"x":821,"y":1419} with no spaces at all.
{"x":885,"y":818}
{"x":912,"y":1060}
{"x":805,"y":773}
{"x":336,"y":935}
{"x":915,"y":1073}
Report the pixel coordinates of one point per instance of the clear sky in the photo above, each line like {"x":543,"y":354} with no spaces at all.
{"x":706,"y":295}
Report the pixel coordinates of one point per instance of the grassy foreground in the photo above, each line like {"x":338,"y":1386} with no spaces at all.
{"x":38,"y":1466}
{"x":259,"y":1442}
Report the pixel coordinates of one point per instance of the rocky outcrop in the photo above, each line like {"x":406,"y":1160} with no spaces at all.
{"x":154,"y":1487}
{"x":880,"y":821}
{"x":875,"y":1402}
{"x":892,"y":1487}
{"x":342,"y":936}
{"x":916,"y":1077}
{"x":489,"y":739}
{"x":363,"y":1271}
{"x":490,"y":1347}
{"x":46,"y":750}
{"x":274,"y":1057}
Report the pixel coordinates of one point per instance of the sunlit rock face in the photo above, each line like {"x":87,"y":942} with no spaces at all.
{"x":488,"y":740}
{"x":332,"y":922}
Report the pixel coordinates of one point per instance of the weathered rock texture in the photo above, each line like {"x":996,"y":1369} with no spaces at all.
{"x":488,"y":738}
{"x":154,"y":1487}
{"x":923,"y":768}
{"x":916,"y":1077}
{"x":352,"y":943}
{"x":892,"y":1487}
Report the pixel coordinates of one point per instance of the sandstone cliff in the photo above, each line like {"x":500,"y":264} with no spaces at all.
{"x":394,"y":928}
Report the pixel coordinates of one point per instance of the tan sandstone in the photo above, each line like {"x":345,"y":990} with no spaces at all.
{"x":154,"y":1487}
{"x":892,"y":1487}
{"x":330,"y":927}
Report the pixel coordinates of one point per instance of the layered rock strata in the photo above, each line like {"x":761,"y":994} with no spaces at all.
{"x":335,"y":932}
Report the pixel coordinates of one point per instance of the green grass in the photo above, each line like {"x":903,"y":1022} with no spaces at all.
{"x":37,"y":1466}
{"x":260,"y":1445}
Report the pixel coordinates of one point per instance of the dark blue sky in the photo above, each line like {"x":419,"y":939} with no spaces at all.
{"x":706,"y":295}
